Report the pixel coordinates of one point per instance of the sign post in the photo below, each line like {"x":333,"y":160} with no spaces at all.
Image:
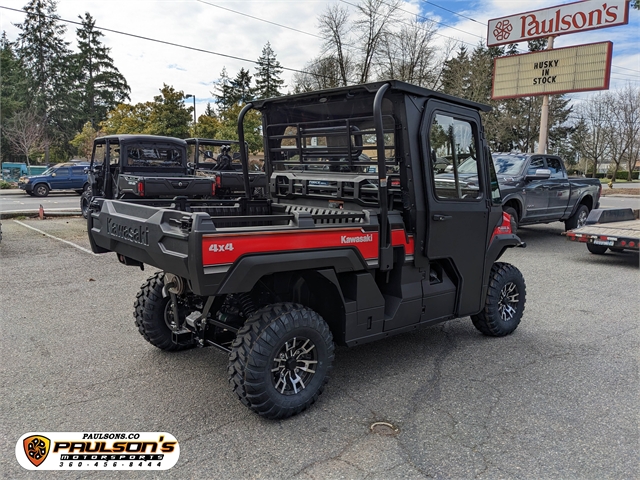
{"x":574,"y":70}
{"x":544,"y":115}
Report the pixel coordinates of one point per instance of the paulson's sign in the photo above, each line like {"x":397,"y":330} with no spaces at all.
{"x":547,"y":22}
{"x":561,"y":70}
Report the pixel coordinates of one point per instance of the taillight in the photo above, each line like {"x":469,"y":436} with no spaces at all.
{"x":504,"y":228}
{"x":213,"y":188}
{"x":140,"y":188}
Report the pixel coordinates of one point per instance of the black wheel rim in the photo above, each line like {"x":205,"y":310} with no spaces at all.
{"x":169,"y":318}
{"x":294,"y":366}
{"x":508,"y":303}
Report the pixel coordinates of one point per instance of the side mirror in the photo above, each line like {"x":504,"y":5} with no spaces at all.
{"x":541,"y":174}
{"x":53,"y":174}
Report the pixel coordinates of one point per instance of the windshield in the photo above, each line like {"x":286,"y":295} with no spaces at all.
{"x":51,"y":170}
{"x":468,"y":166}
{"x":509,"y":164}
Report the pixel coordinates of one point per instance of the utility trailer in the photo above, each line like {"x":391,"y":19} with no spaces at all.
{"x":355,"y":242}
{"x":616,"y":230}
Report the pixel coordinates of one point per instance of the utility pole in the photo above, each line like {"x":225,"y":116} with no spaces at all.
{"x":544,"y":114}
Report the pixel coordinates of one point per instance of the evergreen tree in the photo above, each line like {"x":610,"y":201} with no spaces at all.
{"x":104,"y":86}
{"x":241,"y":91}
{"x":13,"y":88}
{"x":168,"y":115}
{"x":223,"y":91}
{"x":47,"y":59}
{"x":268,"y":71}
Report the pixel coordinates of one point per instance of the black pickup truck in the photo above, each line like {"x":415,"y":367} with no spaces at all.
{"x":355,"y":242}
{"x":535,"y":189}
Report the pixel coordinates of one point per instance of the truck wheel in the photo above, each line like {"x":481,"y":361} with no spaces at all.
{"x":616,"y":249}
{"x":514,"y":218}
{"x":578,"y":219}
{"x":154,"y":314}
{"x":280,"y":360}
{"x":41,"y":190}
{"x":85,"y":200}
{"x":505,"y":301}
{"x":596,"y":249}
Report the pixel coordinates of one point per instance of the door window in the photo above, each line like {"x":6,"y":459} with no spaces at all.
{"x":535,"y":164}
{"x":555,"y":166}
{"x":453,"y":143}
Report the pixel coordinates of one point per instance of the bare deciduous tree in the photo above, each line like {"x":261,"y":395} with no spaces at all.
{"x":593,"y":137}
{"x":26,"y":132}
{"x":334,"y":27}
{"x":627,"y":112}
{"x":410,"y":55}
{"x":376,"y":18}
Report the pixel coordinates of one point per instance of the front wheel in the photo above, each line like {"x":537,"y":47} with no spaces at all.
{"x":41,"y":190}
{"x":505,"y":301}
{"x":578,"y":219}
{"x":281,"y":359}
{"x":154,"y":315}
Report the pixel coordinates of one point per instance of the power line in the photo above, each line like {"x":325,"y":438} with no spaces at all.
{"x":625,"y":68}
{"x":455,"y":13}
{"x":435,"y":33}
{"x":164,"y":42}
{"x":261,"y":19}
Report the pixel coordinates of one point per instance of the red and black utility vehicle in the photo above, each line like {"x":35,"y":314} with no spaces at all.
{"x":355,"y":242}
{"x":220,"y":159}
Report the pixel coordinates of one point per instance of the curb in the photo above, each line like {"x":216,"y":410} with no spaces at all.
{"x":35,"y":213}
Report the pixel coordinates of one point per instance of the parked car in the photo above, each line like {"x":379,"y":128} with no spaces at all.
{"x":535,"y":188}
{"x":63,"y":176}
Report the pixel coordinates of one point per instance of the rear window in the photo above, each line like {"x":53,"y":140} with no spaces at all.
{"x":158,"y":156}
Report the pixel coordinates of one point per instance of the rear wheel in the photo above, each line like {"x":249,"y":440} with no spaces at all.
{"x":505,"y":301}
{"x":596,"y":249}
{"x":616,"y":249}
{"x":41,"y":190}
{"x":85,"y":200}
{"x":280,"y":360}
{"x":578,"y":219}
{"x":154,"y":315}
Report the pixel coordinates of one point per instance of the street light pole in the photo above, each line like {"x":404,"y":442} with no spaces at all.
{"x":188,"y":95}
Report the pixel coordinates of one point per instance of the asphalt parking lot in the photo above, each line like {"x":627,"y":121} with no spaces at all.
{"x":557,"y":399}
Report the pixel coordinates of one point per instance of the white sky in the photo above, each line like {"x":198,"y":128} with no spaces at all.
{"x":147,"y":65}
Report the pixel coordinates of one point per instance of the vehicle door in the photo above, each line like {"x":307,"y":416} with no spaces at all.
{"x":535,"y":192}
{"x":458,"y":207}
{"x":78,"y":177}
{"x":61,"y":180}
{"x":559,"y":188}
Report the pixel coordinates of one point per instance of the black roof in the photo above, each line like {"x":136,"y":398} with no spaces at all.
{"x":396,"y":85}
{"x":143,"y":138}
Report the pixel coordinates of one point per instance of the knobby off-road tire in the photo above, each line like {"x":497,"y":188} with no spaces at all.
{"x":505,"y":301}
{"x":153,"y":312}
{"x":281,"y":359}
{"x":85,"y":200}
{"x":578,"y":219}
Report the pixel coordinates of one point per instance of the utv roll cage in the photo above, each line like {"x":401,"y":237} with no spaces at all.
{"x":315,"y":152}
